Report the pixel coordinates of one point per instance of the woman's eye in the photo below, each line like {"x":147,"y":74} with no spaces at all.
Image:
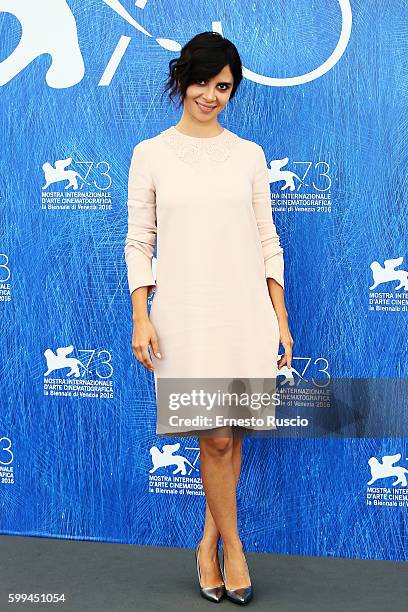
{"x":222,"y":86}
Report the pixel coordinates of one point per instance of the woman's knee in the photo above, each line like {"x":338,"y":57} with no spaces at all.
{"x":219,"y":445}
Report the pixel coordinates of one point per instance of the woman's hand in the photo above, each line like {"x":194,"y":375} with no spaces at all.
{"x":144,"y":335}
{"x":287,"y":342}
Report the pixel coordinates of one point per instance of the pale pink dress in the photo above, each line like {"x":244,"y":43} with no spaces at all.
{"x":207,"y":203}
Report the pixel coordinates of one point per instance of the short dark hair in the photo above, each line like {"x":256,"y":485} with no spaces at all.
{"x":201,"y":58}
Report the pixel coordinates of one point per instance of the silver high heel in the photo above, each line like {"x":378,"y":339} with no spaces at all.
{"x":240,"y":596}
{"x":214,"y":594}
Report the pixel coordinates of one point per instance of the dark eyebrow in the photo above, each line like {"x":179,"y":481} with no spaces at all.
{"x":219,"y":82}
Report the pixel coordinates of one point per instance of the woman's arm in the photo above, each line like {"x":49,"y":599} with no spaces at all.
{"x":272,"y":252}
{"x":141,"y":236}
{"x":278,"y":301}
{"x":139,"y":249}
{"x":144,"y":333}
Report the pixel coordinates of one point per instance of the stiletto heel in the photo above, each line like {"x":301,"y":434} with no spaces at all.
{"x":214,"y":594}
{"x":240,"y":596}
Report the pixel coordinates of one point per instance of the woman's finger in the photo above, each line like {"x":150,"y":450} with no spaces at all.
{"x":146,"y":358}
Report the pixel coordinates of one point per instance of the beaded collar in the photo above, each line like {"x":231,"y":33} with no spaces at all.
{"x":191,"y":148}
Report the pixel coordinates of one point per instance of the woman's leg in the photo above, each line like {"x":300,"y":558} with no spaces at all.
{"x":209,"y":543}
{"x":220,"y":459}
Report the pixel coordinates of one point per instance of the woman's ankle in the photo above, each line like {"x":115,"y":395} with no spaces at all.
{"x":232,"y":547}
{"x":209,"y":544}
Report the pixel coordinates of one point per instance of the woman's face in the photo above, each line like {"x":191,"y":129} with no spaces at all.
{"x":204,"y":100}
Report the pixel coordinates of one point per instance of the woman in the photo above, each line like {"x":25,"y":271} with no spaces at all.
{"x":218,"y":308}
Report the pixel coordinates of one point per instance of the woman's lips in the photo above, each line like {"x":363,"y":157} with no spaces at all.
{"x":205,"y":109}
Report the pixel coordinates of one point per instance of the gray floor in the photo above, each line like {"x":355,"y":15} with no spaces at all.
{"x":118,"y":577}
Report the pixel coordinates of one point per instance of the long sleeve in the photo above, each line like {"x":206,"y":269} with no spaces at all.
{"x":261,"y":200}
{"x":142,"y":230}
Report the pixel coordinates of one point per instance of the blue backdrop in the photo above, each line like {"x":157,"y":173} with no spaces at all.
{"x":325,"y":94}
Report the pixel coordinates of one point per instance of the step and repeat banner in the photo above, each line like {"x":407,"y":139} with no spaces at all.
{"x":325,"y":94}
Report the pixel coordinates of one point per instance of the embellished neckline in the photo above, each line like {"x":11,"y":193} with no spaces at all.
{"x":173,"y":127}
{"x":190,"y":149}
